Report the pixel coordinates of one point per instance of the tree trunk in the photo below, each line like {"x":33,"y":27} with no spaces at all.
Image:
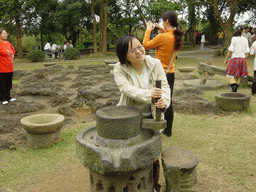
{"x":192,"y":22}
{"x":42,"y":41}
{"x":228,"y":24}
{"x":95,"y":50}
{"x":19,"y":40}
{"x":101,"y":24}
{"x":104,"y":42}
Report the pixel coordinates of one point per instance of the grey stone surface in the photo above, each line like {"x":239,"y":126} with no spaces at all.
{"x":233,"y":101}
{"x":118,"y":122}
{"x":140,"y":181}
{"x":117,"y":143}
{"x":125,"y":156}
{"x":180,"y":169}
{"x":210,"y":84}
{"x":153,"y":124}
{"x":43,"y":140}
{"x":42,"y":123}
{"x":188,"y":100}
{"x":211,"y":69}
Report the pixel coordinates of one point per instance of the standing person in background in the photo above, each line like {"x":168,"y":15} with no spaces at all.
{"x":7,"y":52}
{"x":247,"y":34}
{"x":167,"y":45}
{"x":253,"y":36}
{"x":253,"y":52}
{"x":197,"y":37}
{"x":202,"y":42}
{"x":220,"y":37}
{"x":55,"y":48}
{"x":70,"y":44}
{"x":47,"y":46}
{"x":238,"y":50}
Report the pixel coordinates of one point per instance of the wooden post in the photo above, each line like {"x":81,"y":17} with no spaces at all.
{"x":158,"y":110}
{"x":204,"y":78}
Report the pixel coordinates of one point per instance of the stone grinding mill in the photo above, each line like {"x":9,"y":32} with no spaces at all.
{"x":120,"y":150}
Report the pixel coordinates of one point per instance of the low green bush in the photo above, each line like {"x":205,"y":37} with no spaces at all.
{"x":36,"y":56}
{"x":71,"y":53}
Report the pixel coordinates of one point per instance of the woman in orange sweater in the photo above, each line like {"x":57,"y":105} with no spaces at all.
{"x":169,"y":41}
{"x":6,"y":67}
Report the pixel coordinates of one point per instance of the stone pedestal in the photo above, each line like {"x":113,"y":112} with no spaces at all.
{"x":118,"y":152}
{"x":180,"y":170}
{"x":42,"y":129}
{"x":233,"y":101}
{"x":140,"y":180}
{"x":186,"y":70}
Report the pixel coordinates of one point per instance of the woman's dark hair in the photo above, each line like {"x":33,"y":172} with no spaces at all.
{"x":178,"y":33}
{"x":1,"y":30}
{"x":122,"y":46}
{"x":239,"y":31}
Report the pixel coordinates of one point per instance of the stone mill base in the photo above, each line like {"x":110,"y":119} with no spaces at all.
{"x":43,"y":140}
{"x":137,"y":181}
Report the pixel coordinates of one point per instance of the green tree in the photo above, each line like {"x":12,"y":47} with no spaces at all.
{"x":40,"y":18}
{"x":70,"y":17}
{"x":14,"y":17}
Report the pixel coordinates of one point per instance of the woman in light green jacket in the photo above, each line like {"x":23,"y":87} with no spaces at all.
{"x":135,"y":75}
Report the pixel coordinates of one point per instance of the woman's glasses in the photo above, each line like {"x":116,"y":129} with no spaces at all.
{"x":132,"y":51}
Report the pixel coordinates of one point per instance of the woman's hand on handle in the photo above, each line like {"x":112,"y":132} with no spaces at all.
{"x":160,"y":103}
{"x":156,"y":93}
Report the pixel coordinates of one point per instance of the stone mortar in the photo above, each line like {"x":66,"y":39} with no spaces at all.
{"x":121,"y":151}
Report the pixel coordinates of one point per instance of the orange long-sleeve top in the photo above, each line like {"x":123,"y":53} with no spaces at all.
{"x":7,"y":52}
{"x":164,"y":44}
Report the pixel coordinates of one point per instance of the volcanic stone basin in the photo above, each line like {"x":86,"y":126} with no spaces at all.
{"x":186,"y":69}
{"x":117,"y":143}
{"x":42,"y":129}
{"x":233,"y":101}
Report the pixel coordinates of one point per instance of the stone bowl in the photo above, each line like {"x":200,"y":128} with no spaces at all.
{"x":233,"y":101}
{"x":186,"y":69}
{"x":110,"y":61}
{"x":42,"y":123}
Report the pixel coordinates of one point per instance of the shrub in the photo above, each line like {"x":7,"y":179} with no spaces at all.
{"x":71,"y":53}
{"x":36,"y":56}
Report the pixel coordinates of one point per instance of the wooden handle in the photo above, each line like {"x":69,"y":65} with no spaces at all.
{"x":158,"y":110}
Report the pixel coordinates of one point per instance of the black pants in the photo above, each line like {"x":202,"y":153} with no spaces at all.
{"x":254,"y":83}
{"x":169,"y":111}
{"x":5,"y":86}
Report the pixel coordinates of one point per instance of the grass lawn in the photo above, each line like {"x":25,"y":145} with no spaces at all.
{"x":225,"y":143}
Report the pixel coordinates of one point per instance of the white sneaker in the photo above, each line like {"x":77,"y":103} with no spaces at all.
{"x":12,"y":99}
{"x":5,"y":102}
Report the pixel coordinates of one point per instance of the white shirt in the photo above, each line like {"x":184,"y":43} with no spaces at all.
{"x":47,"y":46}
{"x":247,"y":35}
{"x":239,"y":47}
{"x":141,"y":81}
{"x":54,"y":46}
{"x":253,"y":52}
{"x":202,"y":38}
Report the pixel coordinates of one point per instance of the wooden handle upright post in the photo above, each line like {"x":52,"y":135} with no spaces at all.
{"x":158,"y":110}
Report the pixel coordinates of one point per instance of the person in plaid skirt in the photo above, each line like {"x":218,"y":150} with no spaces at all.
{"x":253,"y":52}
{"x":238,"y":50}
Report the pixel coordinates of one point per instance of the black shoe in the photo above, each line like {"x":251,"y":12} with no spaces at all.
{"x":168,"y":134}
